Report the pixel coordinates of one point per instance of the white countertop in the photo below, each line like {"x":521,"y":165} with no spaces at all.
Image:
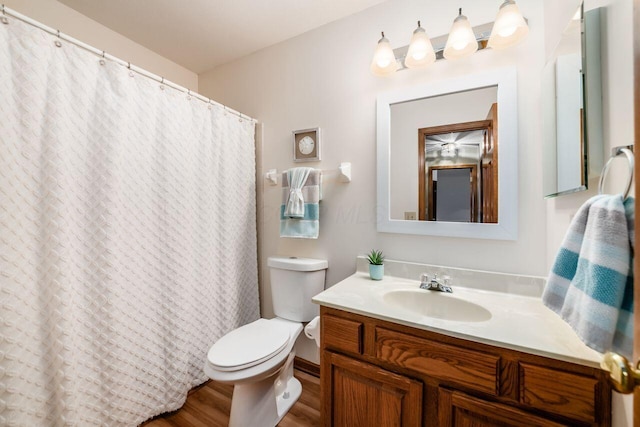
{"x":517,"y":322}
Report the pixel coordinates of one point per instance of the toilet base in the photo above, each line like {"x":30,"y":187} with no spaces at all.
{"x":294,"y":390}
{"x":257,"y":404}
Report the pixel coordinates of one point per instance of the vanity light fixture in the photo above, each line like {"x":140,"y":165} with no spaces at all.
{"x":509,"y":28}
{"x":461,"y":41}
{"x":420,"y":53}
{"x":384,"y":61}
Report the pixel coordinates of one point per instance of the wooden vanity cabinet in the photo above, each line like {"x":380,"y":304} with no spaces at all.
{"x":378,"y":373}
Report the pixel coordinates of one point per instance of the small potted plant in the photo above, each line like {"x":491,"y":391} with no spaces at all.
{"x":376,"y":264}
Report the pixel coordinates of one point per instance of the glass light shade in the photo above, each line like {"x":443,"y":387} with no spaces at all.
{"x":420,"y":53}
{"x":384,"y":61}
{"x":509,"y":28}
{"x":461,"y":41}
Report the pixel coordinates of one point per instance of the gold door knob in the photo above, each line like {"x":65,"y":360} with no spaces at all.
{"x":622,"y":375}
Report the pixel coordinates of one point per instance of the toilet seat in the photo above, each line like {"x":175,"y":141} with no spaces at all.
{"x":249,"y":345}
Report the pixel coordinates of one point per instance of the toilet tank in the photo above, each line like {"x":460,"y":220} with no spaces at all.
{"x":294,"y":281}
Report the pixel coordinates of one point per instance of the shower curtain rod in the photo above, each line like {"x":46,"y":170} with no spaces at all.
{"x":104,"y":55}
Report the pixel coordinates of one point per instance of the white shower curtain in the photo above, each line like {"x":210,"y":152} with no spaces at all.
{"x":127,"y":236}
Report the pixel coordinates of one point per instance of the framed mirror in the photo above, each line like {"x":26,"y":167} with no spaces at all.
{"x":447,"y":158}
{"x":572,"y":108}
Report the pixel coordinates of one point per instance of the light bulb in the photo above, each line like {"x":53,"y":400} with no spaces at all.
{"x":383,"y":62}
{"x":507,"y":31}
{"x":419,"y":55}
{"x":460,"y":44}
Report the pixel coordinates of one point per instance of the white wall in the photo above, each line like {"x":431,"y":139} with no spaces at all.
{"x":59,"y":16}
{"x":322,"y":78}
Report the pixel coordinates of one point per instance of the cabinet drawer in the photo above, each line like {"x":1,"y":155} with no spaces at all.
{"x":559,"y":392}
{"x":341,"y":334}
{"x":473,"y":369}
{"x":459,"y":409}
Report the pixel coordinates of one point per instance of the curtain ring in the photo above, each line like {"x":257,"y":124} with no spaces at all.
{"x":210,"y":106}
{"x":57,"y":42}
{"x":162,"y":83}
{"x":188,"y":94}
{"x":4,"y":19}
{"x":102,"y":61}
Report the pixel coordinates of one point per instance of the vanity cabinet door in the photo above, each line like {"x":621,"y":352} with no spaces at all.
{"x":357,"y":394}
{"x":457,"y":409}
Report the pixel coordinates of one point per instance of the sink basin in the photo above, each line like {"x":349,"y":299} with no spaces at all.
{"x":438,"y":305}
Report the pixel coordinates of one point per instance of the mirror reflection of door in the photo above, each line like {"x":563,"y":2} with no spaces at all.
{"x":458,"y":171}
{"x":452,"y":193}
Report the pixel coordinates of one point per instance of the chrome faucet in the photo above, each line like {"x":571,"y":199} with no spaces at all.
{"x":434,"y":284}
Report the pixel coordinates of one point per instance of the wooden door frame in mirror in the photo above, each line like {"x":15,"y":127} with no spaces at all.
{"x":422,"y":169}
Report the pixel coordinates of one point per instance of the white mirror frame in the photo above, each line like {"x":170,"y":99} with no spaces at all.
{"x":507,"y":226}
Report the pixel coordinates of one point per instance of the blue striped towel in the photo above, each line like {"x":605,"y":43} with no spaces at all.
{"x":306,"y":225}
{"x":591,"y":283}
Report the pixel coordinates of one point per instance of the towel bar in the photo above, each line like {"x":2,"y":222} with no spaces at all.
{"x":343,"y":171}
{"x":615,"y":152}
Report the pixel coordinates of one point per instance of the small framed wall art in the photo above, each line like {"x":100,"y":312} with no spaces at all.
{"x":306,"y":145}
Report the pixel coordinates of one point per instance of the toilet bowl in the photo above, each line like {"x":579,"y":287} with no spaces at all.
{"x":257,"y":358}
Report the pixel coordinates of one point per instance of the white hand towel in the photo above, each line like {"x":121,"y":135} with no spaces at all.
{"x":295,"y":203}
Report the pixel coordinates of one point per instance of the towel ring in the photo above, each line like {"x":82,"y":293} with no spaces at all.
{"x":616,"y":152}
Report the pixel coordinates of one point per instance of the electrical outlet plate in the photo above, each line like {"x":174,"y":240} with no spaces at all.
{"x":410,"y":216}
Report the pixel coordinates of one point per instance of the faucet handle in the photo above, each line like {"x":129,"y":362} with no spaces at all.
{"x":446,"y":285}
{"x":424,"y":281}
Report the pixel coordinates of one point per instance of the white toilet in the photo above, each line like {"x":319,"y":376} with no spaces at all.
{"x":258,"y":357}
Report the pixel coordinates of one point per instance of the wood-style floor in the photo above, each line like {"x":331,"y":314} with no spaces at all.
{"x":209,"y":405}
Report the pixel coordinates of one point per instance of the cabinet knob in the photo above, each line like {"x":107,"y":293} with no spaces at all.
{"x":622,"y":376}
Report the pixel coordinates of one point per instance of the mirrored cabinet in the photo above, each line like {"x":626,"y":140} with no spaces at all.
{"x":572,"y":108}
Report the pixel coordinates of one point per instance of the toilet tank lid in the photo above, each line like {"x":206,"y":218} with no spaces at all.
{"x":297,"y":264}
